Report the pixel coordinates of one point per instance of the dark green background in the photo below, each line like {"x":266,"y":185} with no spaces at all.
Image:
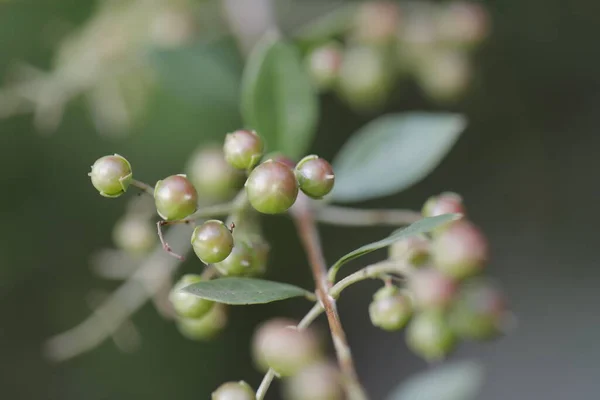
{"x":527,"y":167}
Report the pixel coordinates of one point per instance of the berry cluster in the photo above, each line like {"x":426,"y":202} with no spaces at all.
{"x":444,"y":298}
{"x":390,"y":41}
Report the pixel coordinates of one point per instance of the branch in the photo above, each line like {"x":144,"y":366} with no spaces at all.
{"x":309,"y":235}
{"x":143,"y":187}
{"x":347,"y":216}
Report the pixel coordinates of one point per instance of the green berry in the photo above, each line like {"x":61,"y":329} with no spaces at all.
{"x":445,"y":203}
{"x":318,"y":381}
{"x":390,"y":309}
{"x":188,"y":305}
{"x":175,"y":198}
{"x":261,"y":250}
{"x":240,"y":260}
{"x":135,"y":234}
{"x":234,"y":391}
{"x":111,"y":175}
{"x":315,"y":176}
{"x":205,"y":327}
{"x":212,"y":241}
{"x":429,"y":336}
{"x":323,"y":64}
{"x":211,"y":175}
{"x":243,"y":149}
{"x":377,"y":22}
{"x":278,"y":344}
{"x":272,"y":187}
{"x":444,"y":75}
{"x":414,"y":249}
{"x":460,"y":250}
{"x":431,"y":289}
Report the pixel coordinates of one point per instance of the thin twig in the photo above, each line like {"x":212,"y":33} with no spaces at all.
{"x":143,"y":186}
{"x":346,"y":216}
{"x":309,"y":235}
{"x":164,"y":243}
{"x":264,"y":385}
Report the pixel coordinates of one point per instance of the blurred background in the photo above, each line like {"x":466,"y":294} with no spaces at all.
{"x":526,"y":166}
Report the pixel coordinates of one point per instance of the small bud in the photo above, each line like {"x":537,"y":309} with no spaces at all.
{"x":413,"y":249}
{"x":272,"y":187}
{"x":444,"y":75}
{"x":324,"y":64}
{"x":212,"y":241}
{"x":213,"y":177}
{"x":134,"y":234}
{"x":319,"y":381}
{"x":240,"y":260}
{"x":243,"y":149}
{"x":315,"y":176}
{"x":175,"y":198}
{"x":460,"y":250}
{"x":377,"y":21}
{"x":278,"y":344}
{"x":429,"y":336}
{"x":234,"y":391}
{"x":445,"y":203}
{"x":480,"y":311}
{"x":431,"y":288}
{"x":111,"y":175}
{"x":390,"y":309}
{"x":185,"y":304}
{"x":205,"y":327}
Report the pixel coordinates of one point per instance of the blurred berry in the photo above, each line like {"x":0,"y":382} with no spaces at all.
{"x":272,"y":187}
{"x":243,"y":149}
{"x":188,"y":305}
{"x":413,"y":249}
{"x":445,"y":203}
{"x":205,"y":327}
{"x":431,"y":288}
{"x":175,"y":198}
{"x":463,"y":23}
{"x":111,"y":175}
{"x":240,"y":260}
{"x":315,"y":176}
{"x":390,"y":309}
{"x":135,"y":234}
{"x":234,"y":391}
{"x":318,"y":381}
{"x":213,"y":177}
{"x":212,"y":241}
{"x":376,"y":22}
{"x":429,"y":336}
{"x":444,"y":75}
{"x":460,"y":250}
{"x":278,"y":344}
{"x":323,"y":64}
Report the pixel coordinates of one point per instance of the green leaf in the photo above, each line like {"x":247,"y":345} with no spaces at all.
{"x":278,"y":100}
{"x":455,"y":381}
{"x":422,"y":226}
{"x":328,"y":25}
{"x":392,"y":153}
{"x":244,"y":291}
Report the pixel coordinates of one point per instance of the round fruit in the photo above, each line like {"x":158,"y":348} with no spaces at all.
{"x":175,"y":198}
{"x":272,"y":187}
{"x":111,"y":175}
{"x":212,"y":241}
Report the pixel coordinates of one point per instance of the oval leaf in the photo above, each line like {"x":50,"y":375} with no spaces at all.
{"x":456,"y":381}
{"x":422,"y":226}
{"x":278,"y":100}
{"x":392,"y":153}
{"x":239,"y":291}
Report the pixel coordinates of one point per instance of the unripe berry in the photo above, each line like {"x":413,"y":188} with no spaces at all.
{"x":188,"y":305}
{"x":390,"y":309}
{"x":111,"y":175}
{"x":212,"y":241}
{"x":324,"y":64}
{"x":134,"y":234}
{"x":278,"y":344}
{"x":444,"y":75}
{"x":413,"y":249}
{"x":272,"y":187}
{"x":377,"y":21}
{"x":261,"y":251}
{"x":315,"y":176}
{"x":445,"y":203}
{"x":234,"y":391}
{"x":212,"y":176}
{"x":479,"y":312}
{"x":175,"y":198}
{"x":243,"y":149}
{"x":460,"y":250}
{"x":205,"y":327}
{"x":240,"y":260}
{"x":431,"y":288}
{"x":429,"y":336}
{"x":318,"y":381}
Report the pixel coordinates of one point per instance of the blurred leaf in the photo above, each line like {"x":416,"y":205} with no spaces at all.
{"x":328,"y":25}
{"x":244,"y":291}
{"x":422,"y":226}
{"x":456,"y":381}
{"x":202,"y":74}
{"x":278,"y":100}
{"x":392,"y":153}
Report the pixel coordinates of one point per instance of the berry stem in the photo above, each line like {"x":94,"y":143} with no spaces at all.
{"x":347,"y":216}
{"x":303,"y":217}
{"x":264,"y":385}
{"x":164,"y":243}
{"x":144,"y":187}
